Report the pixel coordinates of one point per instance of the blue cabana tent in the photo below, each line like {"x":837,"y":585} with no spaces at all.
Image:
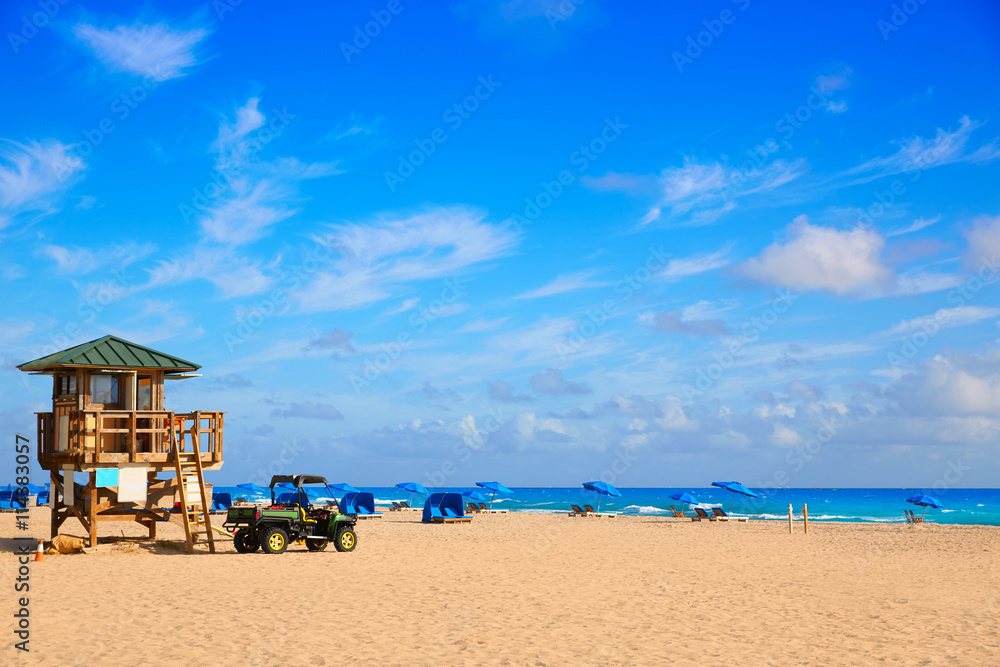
{"x":13,"y":497}
{"x":495,"y":487}
{"x":360,"y":503}
{"x":444,"y":508}
{"x":221,"y":502}
{"x":604,"y":489}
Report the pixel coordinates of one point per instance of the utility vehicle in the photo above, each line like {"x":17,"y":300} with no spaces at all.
{"x":292,"y":517}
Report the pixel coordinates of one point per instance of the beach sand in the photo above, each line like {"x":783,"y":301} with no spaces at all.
{"x":524,"y":589}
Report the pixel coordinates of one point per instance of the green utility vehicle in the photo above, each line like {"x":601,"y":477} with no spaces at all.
{"x":291,"y":517}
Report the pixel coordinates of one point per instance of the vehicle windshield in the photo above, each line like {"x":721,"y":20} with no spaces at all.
{"x":307,"y":494}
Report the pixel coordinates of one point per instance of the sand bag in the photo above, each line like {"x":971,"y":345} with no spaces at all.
{"x":66,"y":544}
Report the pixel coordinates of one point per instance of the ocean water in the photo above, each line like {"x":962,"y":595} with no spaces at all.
{"x":961,"y":506}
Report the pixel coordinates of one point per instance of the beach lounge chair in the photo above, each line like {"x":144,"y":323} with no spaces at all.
{"x":702,"y":514}
{"x":471,"y":507}
{"x":395,"y":506}
{"x":577,"y":511}
{"x":722,"y":515}
{"x":916,"y":519}
{"x":445,"y":508}
{"x":490,"y":510}
{"x":676,"y":512}
{"x":592,"y":512}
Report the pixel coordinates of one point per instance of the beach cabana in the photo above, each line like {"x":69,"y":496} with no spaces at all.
{"x":13,"y":497}
{"x":413,"y":488}
{"x":360,"y":503}
{"x":445,"y":508}
{"x":925,"y":502}
{"x":603,"y":489}
{"x":734,"y":488}
{"x":495,"y":487}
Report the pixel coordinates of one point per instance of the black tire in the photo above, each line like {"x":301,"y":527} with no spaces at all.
{"x":346,"y":539}
{"x":317,"y":545}
{"x":274,"y":540}
{"x":246,"y":541}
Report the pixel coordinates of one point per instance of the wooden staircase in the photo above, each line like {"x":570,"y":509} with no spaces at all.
{"x":194,"y":511}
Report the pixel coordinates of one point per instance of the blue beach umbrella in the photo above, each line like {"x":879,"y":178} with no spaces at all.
{"x":734,"y":488}
{"x":474,"y":495}
{"x":412,"y":487}
{"x":253,"y":488}
{"x":925,"y":502}
{"x":604,"y":489}
{"x":343,"y":487}
{"x":685,"y":498}
{"x":495,"y":487}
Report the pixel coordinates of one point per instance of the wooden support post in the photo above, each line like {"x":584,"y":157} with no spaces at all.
{"x":805,"y":517}
{"x":93,"y":508}
{"x":55,"y":502}
{"x":789,"y":518}
{"x":152,"y":529}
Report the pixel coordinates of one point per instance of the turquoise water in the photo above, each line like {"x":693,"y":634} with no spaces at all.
{"x":961,"y":506}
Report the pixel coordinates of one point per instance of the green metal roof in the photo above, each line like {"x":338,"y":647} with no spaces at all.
{"x":110,"y":352}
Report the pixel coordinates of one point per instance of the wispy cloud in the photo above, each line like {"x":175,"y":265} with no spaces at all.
{"x":686,"y":322}
{"x":81,"y":261}
{"x":233,"y":275}
{"x":158,"y":51}
{"x":481,"y":324}
{"x":696,"y":193}
{"x":563,"y":284}
{"x":945,"y":318}
{"x":308,"y":410}
{"x":256,"y":194}
{"x":916,"y":226}
{"x":834,"y":82}
{"x":377,"y":257}
{"x":919,"y":153}
{"x":690,"y":266}
{"x":33,"y":174}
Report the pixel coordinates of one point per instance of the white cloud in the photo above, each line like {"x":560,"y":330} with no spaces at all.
{"x":690,"y":266}
{"x":699,"y":194}
{"x":984,"y":243}
{"x":953,"y":385}
{"x":482,"y":324}
{"x":918,"y":153}
{"x":831,"y":83}
{"x":376,"y":257}
{"x":563,"y":284}
{"x":823,"y":258}
{"x":81,"y":261}
{"x":945,"y":318}
{"x":408,"y":304}
{"x":157,"y":51}
{"x":234,"y":276}
{"x":32,"y":174}
{"x":917,"y":225}
{"x":256,"y":194}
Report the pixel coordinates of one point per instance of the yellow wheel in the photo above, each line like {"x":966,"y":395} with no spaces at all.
{"x":346,"y":539}
{"x":275,"y":540}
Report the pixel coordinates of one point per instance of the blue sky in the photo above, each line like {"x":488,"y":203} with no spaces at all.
{"x":537,"y":241}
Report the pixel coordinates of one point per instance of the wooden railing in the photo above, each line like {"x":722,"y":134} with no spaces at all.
{"x":128,"y":436}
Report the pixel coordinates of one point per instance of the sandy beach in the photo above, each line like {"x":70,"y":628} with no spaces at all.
{"x":526,"y":589}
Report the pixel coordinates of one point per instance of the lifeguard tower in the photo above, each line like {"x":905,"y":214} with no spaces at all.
{"x":108,"y":422}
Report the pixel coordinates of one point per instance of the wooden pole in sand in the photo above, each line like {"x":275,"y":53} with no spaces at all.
{"x":789,"y":518}
{"x":805,"y":517}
